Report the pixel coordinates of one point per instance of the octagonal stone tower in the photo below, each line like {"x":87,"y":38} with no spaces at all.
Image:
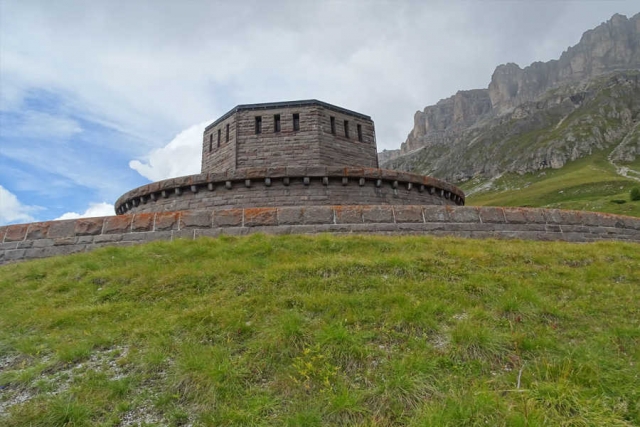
{"x":289,"y":154}
{"x":297,"y":133}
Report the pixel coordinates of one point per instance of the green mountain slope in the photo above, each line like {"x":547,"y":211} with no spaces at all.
{"x":590,"y":184}
{"x":323,"y":330}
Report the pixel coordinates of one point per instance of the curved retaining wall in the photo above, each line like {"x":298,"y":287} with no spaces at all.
{"x":289,"y":186}
{"x":44,"y":239}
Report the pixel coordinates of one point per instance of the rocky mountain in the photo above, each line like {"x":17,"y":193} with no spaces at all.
{"x":540,"y":116}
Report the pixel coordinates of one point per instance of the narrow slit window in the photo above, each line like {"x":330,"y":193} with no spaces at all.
{"x":276,"y":123}
{"x":346,"y":128}
{"x":227,"y":138}
{"x":219,"y":137}
{"x":296,"y":122}
{"x":210,"y":142}
{"x":359,"y":127}
{"x":333,"y":124}
{"x":258,"y":125}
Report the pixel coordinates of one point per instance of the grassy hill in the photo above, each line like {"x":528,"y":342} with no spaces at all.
{"x":323,"y":330}
{"x":590,"y":183}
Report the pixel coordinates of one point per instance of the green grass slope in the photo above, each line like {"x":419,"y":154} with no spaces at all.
{"x":324,"y":330}
{"x":590,"y":184}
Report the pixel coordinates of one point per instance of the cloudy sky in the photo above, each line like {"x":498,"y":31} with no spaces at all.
{"x":99,"y":97}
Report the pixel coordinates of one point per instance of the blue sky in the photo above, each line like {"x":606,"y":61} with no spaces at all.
{"x":99,"y":97}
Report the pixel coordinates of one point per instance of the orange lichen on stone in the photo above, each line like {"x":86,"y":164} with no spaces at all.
{"x":167,"y":221}
{"x":38,"y":230}
{"x":254,"y":217}
{"x":117,"y":224}
{"x":88,"y":226}
{"x":142,"y":222}
{"x":16,"y":232}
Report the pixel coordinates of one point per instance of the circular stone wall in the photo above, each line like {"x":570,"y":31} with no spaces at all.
{"x":289,"y":186}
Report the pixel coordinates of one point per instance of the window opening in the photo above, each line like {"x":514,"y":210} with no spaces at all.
{"x":227,"y":138}
{"x":219,"y":132}
{"x":359,"y":132}
{"x":210,"y":142}
{"x":258,"y":125}
{"x":333,"y":124}
{"x":296,"y":121}
{"x":346,"y":128}
{"x":276,"y":123}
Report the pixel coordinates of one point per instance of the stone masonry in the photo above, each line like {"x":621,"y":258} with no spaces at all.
{"x":289,"y":154}
{"x":44,"y":239}
{"x":299,"y":167}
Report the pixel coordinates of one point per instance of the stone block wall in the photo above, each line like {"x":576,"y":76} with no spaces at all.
{"x":339,"y":149}
{"x":44,"y":239}
{"x":278,"y":149}
{"x":312,"y":144}
{"x":219,"y":154}
{"x":290,"y":186}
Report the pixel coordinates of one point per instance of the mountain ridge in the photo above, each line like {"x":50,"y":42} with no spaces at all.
{"x":588,"y":78}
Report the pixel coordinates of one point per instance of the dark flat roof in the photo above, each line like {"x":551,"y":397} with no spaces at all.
{"x":286,"y":104}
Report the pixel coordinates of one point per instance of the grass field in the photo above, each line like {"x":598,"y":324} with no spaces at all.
{"x":588,"y":184}
{"x":324,"y":330}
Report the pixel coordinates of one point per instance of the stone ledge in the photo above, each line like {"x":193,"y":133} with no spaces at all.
{"x":175,"y":187}
{"x":35,"y":240}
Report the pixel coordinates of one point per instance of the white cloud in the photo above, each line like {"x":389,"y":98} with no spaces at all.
{"x":181,"y":156}
{"x":152,"y":68}
{"x":12,"y":211}
{"x":94,"y":209}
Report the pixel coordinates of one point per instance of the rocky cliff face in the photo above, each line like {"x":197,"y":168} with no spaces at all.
{"x":520,"y":101}
{"x":564,"y":124}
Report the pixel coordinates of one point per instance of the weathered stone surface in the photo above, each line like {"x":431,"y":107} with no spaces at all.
{"x":38,"y":230}
{"x":15,"y":233}
{"x":42,"y":243}
{"x":14,"y":254}
{"x":3,"y":230}
{"x":463,"y":214}
{"x":88,"y":226}
{"x":228,"y":218}
{"x":291,"y":215}
{"x":633,"y":223}
{"x":553,"y":216}
{"x":318,"y":215}
{"x":255,"y":217}
{"x":553,"y":228}
{"x":167,"y":221}
{"x":571,"y":217}
{"x":408,"y":214}
{"x":117,"y":224}
{"x":195,"y":219}
{"x":378,"y":214}
{"x":435,"y":213}
{"x":348,"y":214}
{"x":515,"y":215}
{"x":64,"y":228}
{"x":64,"y":241}
{"x":382,"y":219}
{"x":108,"y":238}
{"x":142,"y":222}
{"x":491,"y":215}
